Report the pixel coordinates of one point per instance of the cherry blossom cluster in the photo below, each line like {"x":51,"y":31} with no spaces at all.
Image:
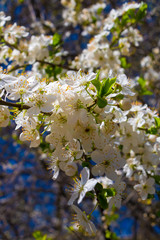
{"x":85,"y":127}
{"x":101,"y":52}
{"x":150,"y":66}
{"x":91,"y":125}
{"x":17,"y":49}
{"x":90,"y":18}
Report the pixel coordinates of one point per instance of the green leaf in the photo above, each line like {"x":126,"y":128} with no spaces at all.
{"x":37,"y":235}
{"x":107,"y":84}
{"x":40,"y":117}
{"x":101,"y":102}
{"x":45,"y":147}
{"x":130,"y":17}
{"x":85,"y":164}
{"x":124,"y":63}
{"x":108,"y":234}
{"x":157,"y":179}
{"x":146,"y":92}
{"x":49,"y":71}
{"x":99,"y":11}
{"x":142,"y":82}
{"x":111,"y":235}
{"x":57,"y":70}
{"x":90,"y":194}
{"x":120,"y":147}
{"x":125,"y":19}
{"x":141,"y":12}
{"x":53,"y":71}
{"x":131,"y":13}
{"x":102,"y":200}
{"x":44,"y":237}
{"x":56,"y":39}
{"x":143,"y":7}
{"x":152,"y":130}
{"x":98,"y":187}
{"x":143,"y":90}
{"x":102,"y":195}
{"x":110,"y":192}
{"x":157,"y":121}
{"x":96,"y":82}
{"x":112,"y":217}
{"x":94,"y":19}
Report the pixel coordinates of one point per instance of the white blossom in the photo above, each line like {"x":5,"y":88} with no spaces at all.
{"x":83,"y":221}
{"x":145,"y":187}
{"x":81,"y":187}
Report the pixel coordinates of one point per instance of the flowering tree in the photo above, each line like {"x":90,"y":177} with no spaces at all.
{"x":83,"y":111}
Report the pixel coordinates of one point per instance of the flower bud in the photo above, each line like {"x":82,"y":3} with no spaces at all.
{"x":152,"y":138}
{"x":126,"y":104}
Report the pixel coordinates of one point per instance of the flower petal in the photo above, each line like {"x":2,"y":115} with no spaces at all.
{"x":85,"y":173}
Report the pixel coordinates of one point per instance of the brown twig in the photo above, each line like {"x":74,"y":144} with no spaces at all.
{"x":20,"y":106}
{"x":17,"y":105}
{"x":57,"y":65}
{"x":17,"y":67}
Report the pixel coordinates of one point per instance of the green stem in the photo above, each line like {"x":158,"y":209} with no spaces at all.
{"x":93,"y":209}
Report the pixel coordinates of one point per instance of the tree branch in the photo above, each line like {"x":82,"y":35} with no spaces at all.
{"x":20,"y":106}
{"x":31,"y":10}
{"x":17,"y":105}
{"x":57,"y":65}
{"x":17,"y":67}
{"x":12,"y":46}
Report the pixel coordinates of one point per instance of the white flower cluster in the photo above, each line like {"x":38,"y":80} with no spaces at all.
{"x":150,"y":66}
{"x":101,"y":53}
{"x":115,"y":13}
{"x":79,"y":130}
{"x":28,"y":51}
{"x":90,"y":18}
{"x":88,"y":122}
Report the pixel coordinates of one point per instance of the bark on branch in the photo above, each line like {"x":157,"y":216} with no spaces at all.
{"x":17,"y":105}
